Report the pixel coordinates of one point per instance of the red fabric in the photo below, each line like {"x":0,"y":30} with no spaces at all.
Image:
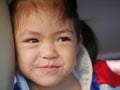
{"x":104,"y":75}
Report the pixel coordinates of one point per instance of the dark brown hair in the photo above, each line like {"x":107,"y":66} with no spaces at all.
{"x":89,"y":40}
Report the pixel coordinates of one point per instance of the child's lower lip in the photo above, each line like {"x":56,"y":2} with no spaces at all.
{"x":49,"y":69}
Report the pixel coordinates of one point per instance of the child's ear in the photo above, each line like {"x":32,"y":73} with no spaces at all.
{"x":79,"y":43}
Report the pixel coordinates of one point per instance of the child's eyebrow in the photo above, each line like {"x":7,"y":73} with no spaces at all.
{"x":37,"y":33}
{"x":30,"y":32}
{"x":64,"y":31}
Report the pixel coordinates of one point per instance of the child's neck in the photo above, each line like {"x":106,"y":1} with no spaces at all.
{"x":70,"y":83}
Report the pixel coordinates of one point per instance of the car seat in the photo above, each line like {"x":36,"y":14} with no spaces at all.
{"x":6,"y":48}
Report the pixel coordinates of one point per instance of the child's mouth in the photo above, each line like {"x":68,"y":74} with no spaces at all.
{"x":49,"y":68}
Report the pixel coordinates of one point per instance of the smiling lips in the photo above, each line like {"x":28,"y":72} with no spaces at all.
{"x":49,"y":68}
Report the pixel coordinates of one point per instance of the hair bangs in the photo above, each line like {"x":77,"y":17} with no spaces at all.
{"x":61,"y":9}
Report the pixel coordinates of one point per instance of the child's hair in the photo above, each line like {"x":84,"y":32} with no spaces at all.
{"x":89,"y":40}
{"x":65,"y":9}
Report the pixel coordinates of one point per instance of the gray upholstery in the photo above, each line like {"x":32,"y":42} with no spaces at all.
{"x":6,"y":49}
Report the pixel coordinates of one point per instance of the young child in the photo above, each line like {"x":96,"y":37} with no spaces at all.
{"x":50,"y":55}
{"x":47,"y":42}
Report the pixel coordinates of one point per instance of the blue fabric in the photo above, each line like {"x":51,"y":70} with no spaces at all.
{"x":16,"y":87}
{"x":94,"y":84}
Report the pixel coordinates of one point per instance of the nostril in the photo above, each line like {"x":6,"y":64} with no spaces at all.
{"x":48,"y":50}
{"x":49,"y":54}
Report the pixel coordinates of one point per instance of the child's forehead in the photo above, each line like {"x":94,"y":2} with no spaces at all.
{"x":45,"y":23}
{"x":44,"y":16}
{"x":42,"y":20}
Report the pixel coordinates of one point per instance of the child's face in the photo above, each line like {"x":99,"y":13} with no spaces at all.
{"x":46,"y":49}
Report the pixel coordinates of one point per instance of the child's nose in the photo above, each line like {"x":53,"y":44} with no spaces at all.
{"x":48,"y":51}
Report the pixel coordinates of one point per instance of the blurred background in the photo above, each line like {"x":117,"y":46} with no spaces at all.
{"x":104,"y":18}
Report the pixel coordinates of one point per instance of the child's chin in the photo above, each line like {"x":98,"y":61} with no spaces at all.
{"x":50,"y":84}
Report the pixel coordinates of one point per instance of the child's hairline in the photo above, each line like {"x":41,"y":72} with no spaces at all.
{"x":24,"y":16}
{"x":63,"y":14}
{"x":16,"y":17}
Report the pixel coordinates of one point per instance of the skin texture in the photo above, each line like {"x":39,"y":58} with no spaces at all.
{"x":44,"y":41}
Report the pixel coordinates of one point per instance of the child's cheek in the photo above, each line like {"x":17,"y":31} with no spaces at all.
{"x":68,"y":53}
{"x":26,"y":58}
{"x":27,"y":55}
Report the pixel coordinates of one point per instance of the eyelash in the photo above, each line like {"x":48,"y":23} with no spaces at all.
{"x":64,"y":39}
{"x":33,"y":40}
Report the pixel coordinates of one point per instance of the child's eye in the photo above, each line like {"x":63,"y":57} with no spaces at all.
{"x":63,"y":39}
{"x":33,"y":40}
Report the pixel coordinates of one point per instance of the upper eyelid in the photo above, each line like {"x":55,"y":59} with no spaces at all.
{"x":65,"y":38}
{"x":30,"y":39}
